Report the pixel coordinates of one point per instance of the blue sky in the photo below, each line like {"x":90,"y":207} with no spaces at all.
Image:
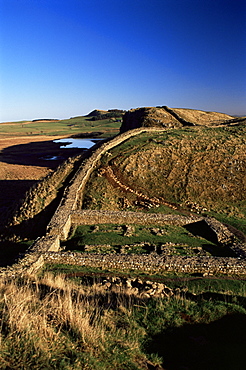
{"x":62,"y":58}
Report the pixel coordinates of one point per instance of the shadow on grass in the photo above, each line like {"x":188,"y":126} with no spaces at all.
{"x":217,"y":345}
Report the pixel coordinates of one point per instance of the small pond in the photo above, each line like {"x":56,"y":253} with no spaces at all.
{"x":70,"y":142}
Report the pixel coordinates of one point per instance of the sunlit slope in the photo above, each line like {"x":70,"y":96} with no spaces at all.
{"x":199,"y":117}
{"x":163,"y":116}
{"x":196,"y":165}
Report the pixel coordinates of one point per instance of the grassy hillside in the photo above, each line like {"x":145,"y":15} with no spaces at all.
{"x":200,"y":117}
{"x":202,"y":169}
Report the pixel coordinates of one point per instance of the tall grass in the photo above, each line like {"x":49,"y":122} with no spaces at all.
{"x":50,"y":324}
{"x":53,"y":323}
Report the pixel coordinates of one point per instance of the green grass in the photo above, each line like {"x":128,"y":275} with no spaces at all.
{"x":58,"y":269}
{"x":111,"y":237}
{"x":49,"y":323}
{"x":215,"y":285}
{"x":79,"y":272}
{"x":190,"y":283}
{"x":70,"y":126}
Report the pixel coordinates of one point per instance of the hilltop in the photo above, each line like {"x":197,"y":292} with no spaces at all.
{"x":96,"y":112}
{"x":165,"y":117}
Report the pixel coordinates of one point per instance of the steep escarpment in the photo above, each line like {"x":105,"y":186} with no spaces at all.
{"x":30,"y":216}
{"x":196,"y":164}
{"x":148,"y":117}
{"x":173,"y":117}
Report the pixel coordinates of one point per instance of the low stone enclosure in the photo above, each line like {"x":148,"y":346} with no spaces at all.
{"x":68,"y":215}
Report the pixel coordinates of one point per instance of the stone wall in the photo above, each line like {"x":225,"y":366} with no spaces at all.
{"x":93,"y":217}
{"x":151,"y":263}
{"x":60,"y":222}
{"x":46,"y":249}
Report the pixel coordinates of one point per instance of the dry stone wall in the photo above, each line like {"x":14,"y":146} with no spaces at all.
{"x":93,"y":217}
{"x":60,"y":223}
{"x":46,"y":249}
{"x":151,"y":263}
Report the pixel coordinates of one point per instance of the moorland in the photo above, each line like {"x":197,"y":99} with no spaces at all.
{"x":182,"y":163}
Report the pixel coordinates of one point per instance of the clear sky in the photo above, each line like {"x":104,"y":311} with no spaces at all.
{"x":62,"y":58}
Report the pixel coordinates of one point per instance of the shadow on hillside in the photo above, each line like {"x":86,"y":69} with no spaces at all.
{"x":37,"y":154}
{"x":11,"y":192}
{"x":218,"y":345}
{"x":9,"y":252}
{"x":29,"y":229}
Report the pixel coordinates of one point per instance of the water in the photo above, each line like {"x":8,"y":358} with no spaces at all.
{"x":76,"y":143}
{"x":51,"y":157}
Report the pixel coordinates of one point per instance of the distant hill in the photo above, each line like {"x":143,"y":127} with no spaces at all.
{"x":96,"y":112}
{"x":114,"y":114}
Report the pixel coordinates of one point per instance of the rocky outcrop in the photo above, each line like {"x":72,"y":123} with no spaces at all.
{"x":173,"y":117}
{"x":148,"y":117}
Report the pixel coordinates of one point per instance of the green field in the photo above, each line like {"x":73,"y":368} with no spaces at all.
{"x":172,"y":240}
{"x":70,"y":126}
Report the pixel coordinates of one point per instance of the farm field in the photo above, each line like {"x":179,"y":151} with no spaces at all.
{"x":26,"y":145}
{"x":66,"y":127}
